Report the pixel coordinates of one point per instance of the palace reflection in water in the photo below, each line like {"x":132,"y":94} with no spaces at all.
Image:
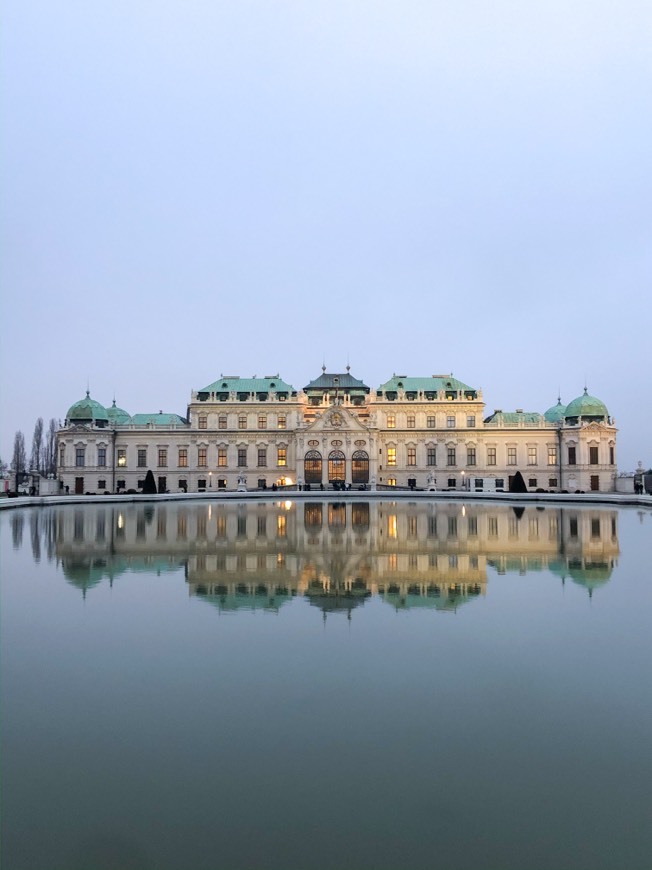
{"x":336,"y":554}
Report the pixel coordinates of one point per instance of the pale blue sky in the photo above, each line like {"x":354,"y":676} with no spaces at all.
{"x":197,"y":188}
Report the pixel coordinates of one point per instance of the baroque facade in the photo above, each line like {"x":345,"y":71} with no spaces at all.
{"x":262,"y":433}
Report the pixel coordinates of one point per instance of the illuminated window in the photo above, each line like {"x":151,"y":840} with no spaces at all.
{"x":491,"y":455}
{"x":242,"y":421}
{"x":262,"y":421}
{"x":202,"y":457}
{"x":391,"y":481}
{"x":281,"y":526}
{"x":391,"y":421}
{"x":411,"y":421}
{"x":412,"y":456}
{"x":431,"y":422}
{"x":281,"y":421}
{"x":532,"y":456}
{"x":511,"y":455}
{"x":391,"y":455}
{"x":221,"y":457}
{"x":242,"y":457}
{"x":470,"y":455}
{"x":122,"y":457}
{"x":101,"y":458}
{"x":203,"y":422}
{"x":162,"y":457}
{"x":281,"y":456}
{"x":183,"y":457}
{"x":431,"y":456}
{"x":222,"y":421}
{"x":552,"y":456}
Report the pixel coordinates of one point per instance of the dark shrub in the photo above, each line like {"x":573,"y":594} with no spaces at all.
{"x":149,"y":485}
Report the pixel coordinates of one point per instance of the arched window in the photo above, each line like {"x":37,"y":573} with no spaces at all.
{"x":312,"y":466}
{"x":360,"y":467}
{"x":336,"y":465}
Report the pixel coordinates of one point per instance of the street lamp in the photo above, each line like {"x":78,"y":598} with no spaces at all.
{"x":464,"y":480}
{"x":210,"y":479}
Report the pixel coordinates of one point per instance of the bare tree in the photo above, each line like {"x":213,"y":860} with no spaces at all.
{"x":50,"y":449}
{"x":37,"y":446}
{"x":20,"y":457}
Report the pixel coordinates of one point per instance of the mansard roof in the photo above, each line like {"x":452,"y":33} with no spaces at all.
{"x":513,"y":418}
{"x":159,"y":419}
{"x":234,"y":383}
{"x":336,"y":381}
{"x":426,"y":385}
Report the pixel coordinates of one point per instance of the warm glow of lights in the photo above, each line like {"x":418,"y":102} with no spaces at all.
{"x":392,"y":526}
{"x":121,"y":521}
{"x":463,"y":510}
{"x":287,"y":505}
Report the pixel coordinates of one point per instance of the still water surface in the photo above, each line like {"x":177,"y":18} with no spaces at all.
{"x":326,"y":685}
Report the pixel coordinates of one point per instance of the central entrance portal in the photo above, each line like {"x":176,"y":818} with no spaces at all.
{"x":312,"y":466}
{"x":336,"y":466}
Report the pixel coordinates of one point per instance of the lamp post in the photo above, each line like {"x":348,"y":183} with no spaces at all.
{"x":210,"y":479}
{"x":464,"y":480}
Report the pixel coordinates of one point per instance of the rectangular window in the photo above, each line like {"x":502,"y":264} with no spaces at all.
{"x":470,"y":421}
{"x":470,"y":455}
{"x":101,"y":457}
{"x":222,"y":421}
{"x":80,"y":457}
{"x":450,"y":422}
{"x":595,"y":483}
{"x":492,"y":526}
{"x":612,"y":456}
{"x":203,"y":422}
{"x":552,"y":456}
{"x":552,"y":481}
{"x":122,"y":457}
{"x":532,"y":456}
{"x":391,"y":481}
{"x":242,"y":457}
{"x":262,"y":457}
{"x":593,"y":455}
{"x":572,"y":456}
{"x":500,"y":483}
{"x":142,"y":457}
{"x":282,"y":421}
{"x":412,"y":456}
{"x":391,"y":421}
{"x":431,"y":456}
{"x":162,"y":457}
{"x":431,"y":422}
{"x":221,"y":457}
{"x":452,"y":527}
{"x":450,"y":456}
{"x":491,"y":455}
{"x":242,"y":421}
{"x":282,"y":456}
{"x":452,"y":483}
{"x":532,"y":482}
{"x":411,"y":421}
{"x":202,"y":457}
{"x":101,"y":484}
{"x":391,"y":455}
{"x":511,"y":455}
{"x":472,"y":527}
{"x":262,"y":421}
{"x":183,"y":457}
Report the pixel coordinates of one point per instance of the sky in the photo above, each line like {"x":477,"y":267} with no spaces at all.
{"x":194,"y":188}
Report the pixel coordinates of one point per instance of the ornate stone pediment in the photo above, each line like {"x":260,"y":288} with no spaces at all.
{"x":337,"y":419}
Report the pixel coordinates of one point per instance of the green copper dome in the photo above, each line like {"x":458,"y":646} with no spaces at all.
{"x":556,"y":413}
{"x":587,"y":407}
{"x":117,"y":416}
{"x":87,"y":411}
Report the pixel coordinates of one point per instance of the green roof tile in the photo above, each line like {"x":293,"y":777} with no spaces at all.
{"x":249,"y":385}
{"x":159,"y":419}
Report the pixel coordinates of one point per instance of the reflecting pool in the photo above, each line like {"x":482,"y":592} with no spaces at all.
{"x":326,"y":684}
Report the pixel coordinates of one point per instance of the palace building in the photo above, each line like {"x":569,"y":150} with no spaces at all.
{"x":260,"y":433}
